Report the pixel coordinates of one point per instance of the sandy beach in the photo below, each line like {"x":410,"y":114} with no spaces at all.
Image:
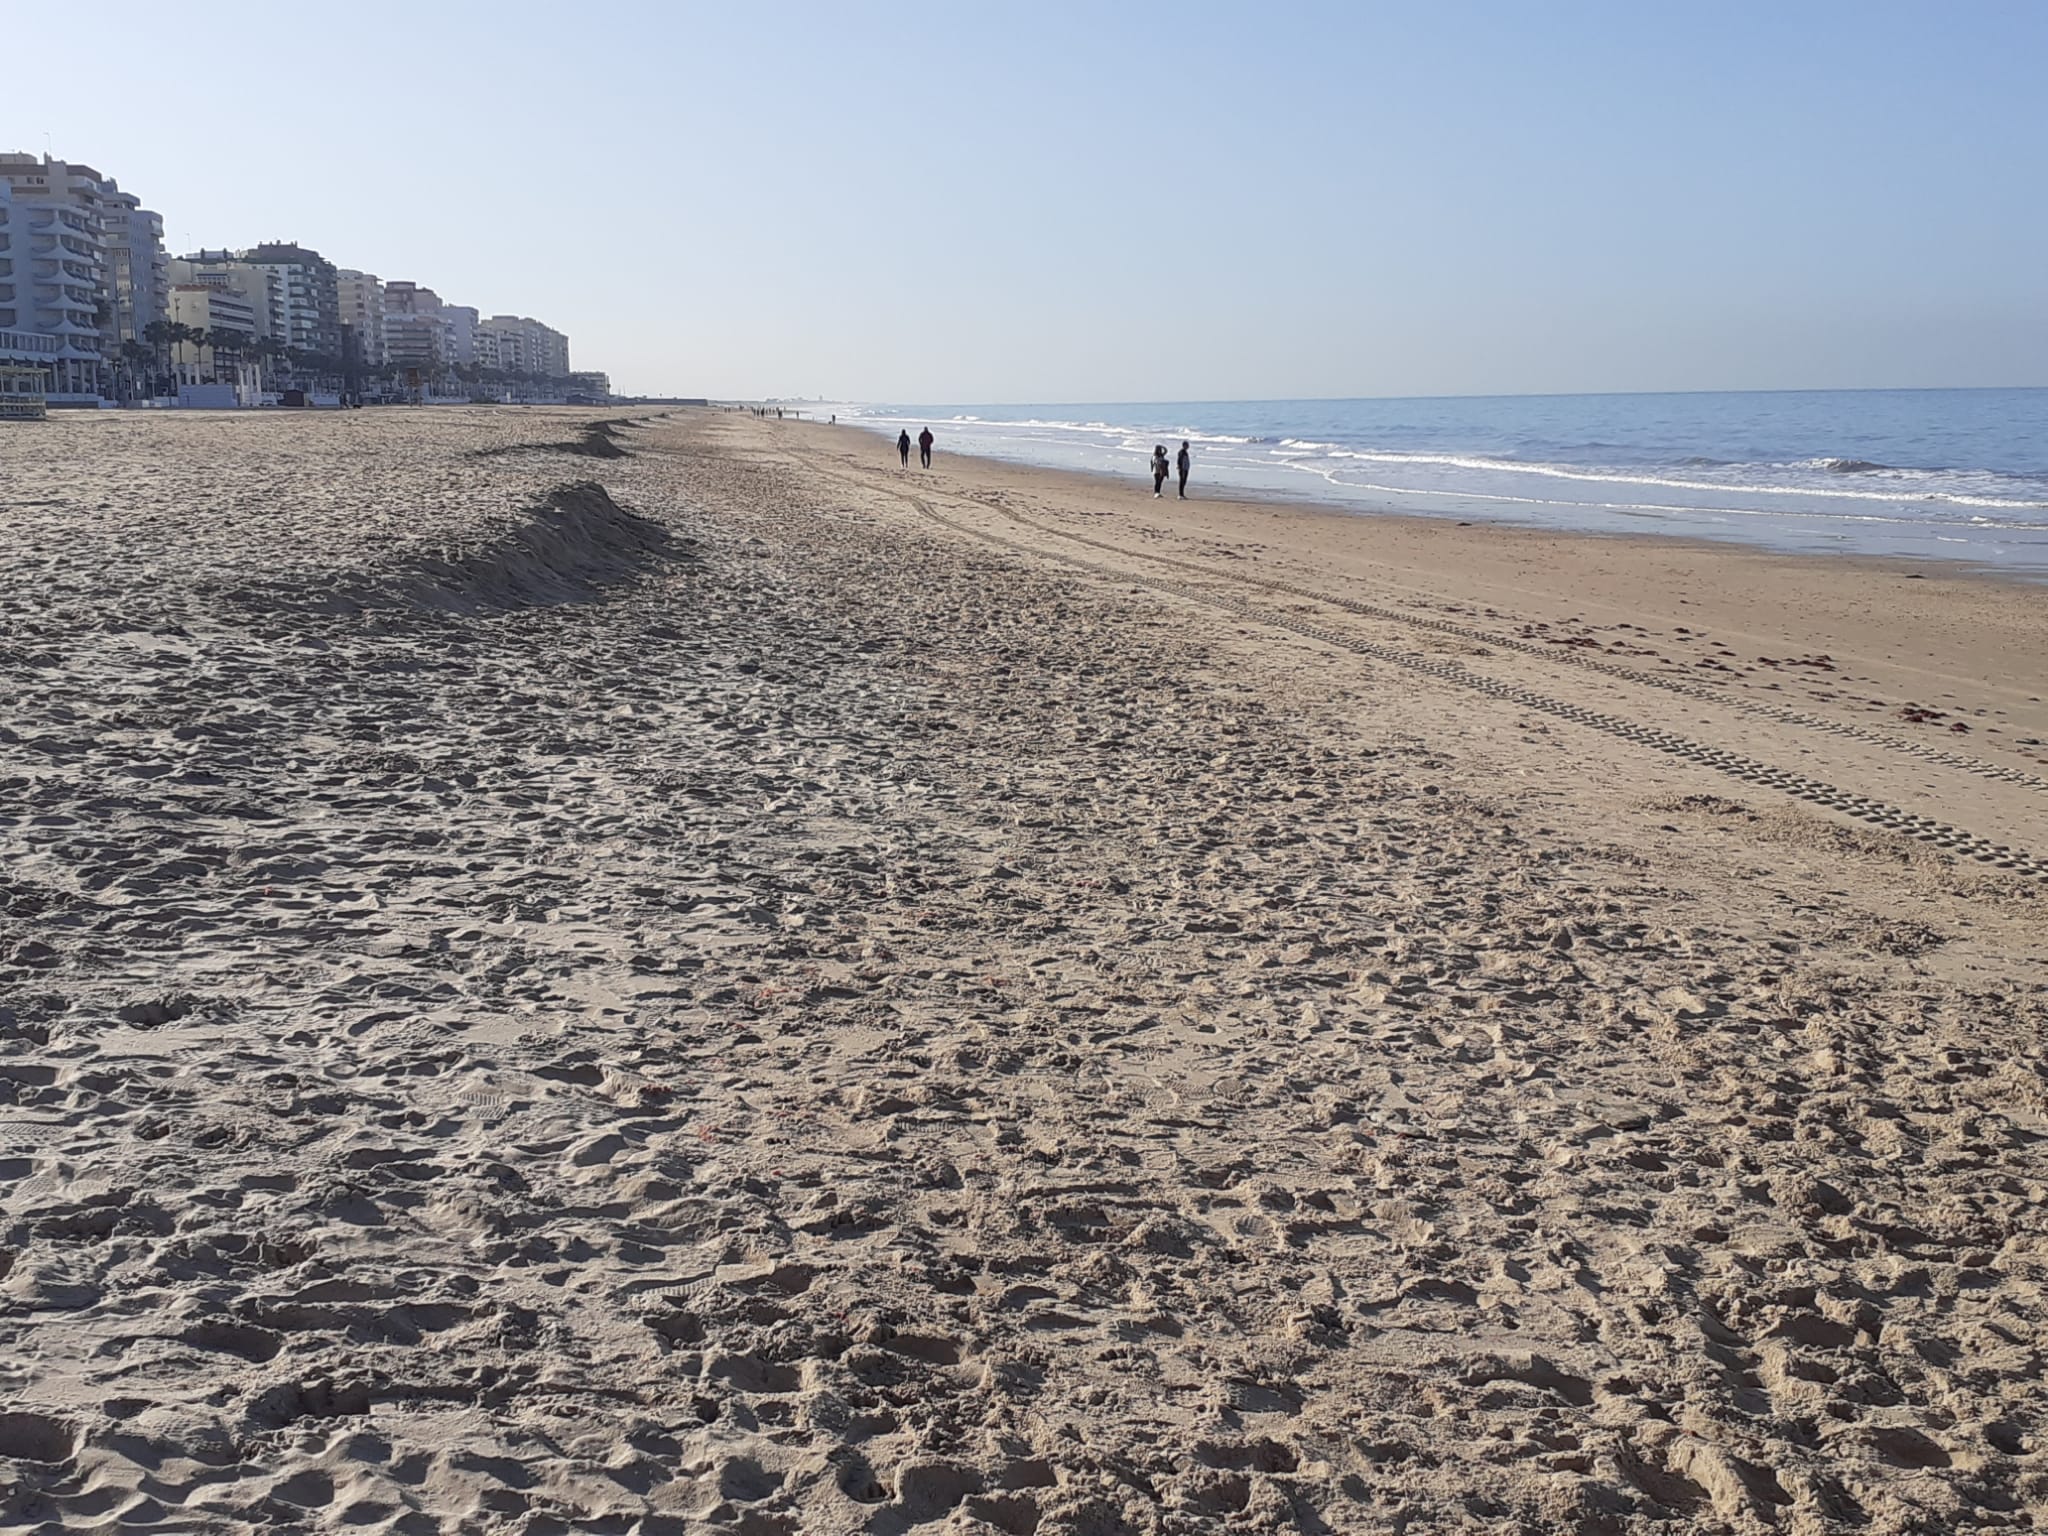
{"x":569,"y":972}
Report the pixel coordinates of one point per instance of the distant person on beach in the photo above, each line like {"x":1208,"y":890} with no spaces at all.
{"x":1183,"y":461}
{"x":903,"y":446}
{"x":924,"y":448}
{"x":1158,"y":468}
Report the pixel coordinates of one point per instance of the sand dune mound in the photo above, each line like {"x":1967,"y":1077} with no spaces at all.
{"x":599,"y":440}
{"x":575,"y":546}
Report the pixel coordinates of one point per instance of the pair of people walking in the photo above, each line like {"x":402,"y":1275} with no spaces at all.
{"x":924,"y":447}
{"x":1182,"y":461}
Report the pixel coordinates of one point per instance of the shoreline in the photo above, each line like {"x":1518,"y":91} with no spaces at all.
{"x":1969,"y":639}
{"x":1680,"y":525}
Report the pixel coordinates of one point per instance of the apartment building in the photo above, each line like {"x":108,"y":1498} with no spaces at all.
{"x":408,"y":298}
{"x":54,"y":286}
{"x":519,"y":345}
{"x":361,"y":298}
{"x":458,"y":327}
{"x":553,"y":348}
{"x":18,"y":344}
{"x":305,"y":299}
{"x":220,"y":269}
{"x":213,"y":309}
{"x":138,"y":269}
{"x":414,"y":337}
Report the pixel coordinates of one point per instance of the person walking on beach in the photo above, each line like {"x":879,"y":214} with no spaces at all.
{"x":1158,"y":468}
{"x":1183,"y":461}
{"x":903,"y":446}
{"x":924,"y":448}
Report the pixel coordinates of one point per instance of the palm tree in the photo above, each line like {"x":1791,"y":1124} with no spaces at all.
{"x":188,"y":336}
{"x":229,"y":343}
{"x":136,"y":356}
{"x":160,"y":336}
{"x":267,"y":349}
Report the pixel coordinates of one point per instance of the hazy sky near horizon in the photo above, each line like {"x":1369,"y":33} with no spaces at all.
{"x":1068,"y":202}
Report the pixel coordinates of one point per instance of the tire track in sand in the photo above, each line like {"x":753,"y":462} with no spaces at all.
{"x":1877,"y":812}
{"x":1781,"y":714}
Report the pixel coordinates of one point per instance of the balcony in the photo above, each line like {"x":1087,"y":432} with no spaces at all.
{"x":62,"y":226}
{"x":29,"y":344}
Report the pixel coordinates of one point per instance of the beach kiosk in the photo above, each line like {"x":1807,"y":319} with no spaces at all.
{"x":24,"y":393}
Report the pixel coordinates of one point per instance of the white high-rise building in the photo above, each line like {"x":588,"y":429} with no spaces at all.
{"x":414,"y":336}
{"x":408,"y":298}
{"x":215,"y":309}
{"x":137,"y":267}
{"x":218,"y":269}
{"x":305,"y":305}
{"x":361,"y":297}
{"x":555,"y":348}
{"x":518,"y":345}
{"x":459,"y":323}
{"x":53,"y":270}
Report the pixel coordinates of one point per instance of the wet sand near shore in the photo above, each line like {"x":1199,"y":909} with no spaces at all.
{"x":668,"y":976}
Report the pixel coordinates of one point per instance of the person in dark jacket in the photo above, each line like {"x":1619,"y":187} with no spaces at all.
{"x":903,"y":446}
{"x":1183,"y":461}
{"x":924,"y":448}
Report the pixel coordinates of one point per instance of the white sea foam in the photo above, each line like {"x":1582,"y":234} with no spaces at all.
{"x":1666,"y":508}
{"x":1912,"y":485}
{"x":1916,"y":485}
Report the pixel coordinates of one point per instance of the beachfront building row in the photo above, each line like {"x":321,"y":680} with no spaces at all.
{"x":434,"y":347}
{"x":73,"y":286}
{"x":89,"y":295}
{"x":518,"y":345}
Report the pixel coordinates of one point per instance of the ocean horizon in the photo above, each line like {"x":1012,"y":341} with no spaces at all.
{"x":1956,"y":474}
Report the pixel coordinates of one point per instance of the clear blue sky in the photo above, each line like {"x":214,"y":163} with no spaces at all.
{"x":1125,"y":201}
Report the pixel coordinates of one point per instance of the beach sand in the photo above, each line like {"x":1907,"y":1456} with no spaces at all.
{"x":674,"y":977}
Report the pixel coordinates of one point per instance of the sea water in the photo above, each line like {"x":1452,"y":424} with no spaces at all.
{"x":1959,"y":474}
